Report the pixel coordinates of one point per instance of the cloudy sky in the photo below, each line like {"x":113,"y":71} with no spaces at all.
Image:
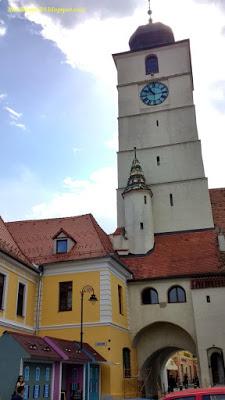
{"x":58,"y":99}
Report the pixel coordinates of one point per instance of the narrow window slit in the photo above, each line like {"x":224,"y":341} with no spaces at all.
{"x":141,"y":225}
{"x":158,"y":160}
{"x":171,"y":200}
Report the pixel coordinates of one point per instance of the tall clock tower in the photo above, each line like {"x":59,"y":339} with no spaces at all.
{"x":157,"y":117}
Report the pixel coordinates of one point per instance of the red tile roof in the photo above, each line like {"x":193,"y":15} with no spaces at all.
{"x":9,"y":246}
{"x":178,"y":254}
{"x":119,"y":231}
{"x":174,"y":254}
{"x":35,"y":238}
{"x":217,"y":197}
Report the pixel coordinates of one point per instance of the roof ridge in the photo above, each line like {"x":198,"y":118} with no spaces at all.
{"x":97,"y":228}
{"x":45,"y":219}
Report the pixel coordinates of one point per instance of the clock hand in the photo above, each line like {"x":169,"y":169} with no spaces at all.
{"x":151,"y":91}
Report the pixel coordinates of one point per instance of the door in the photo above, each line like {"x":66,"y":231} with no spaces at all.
{"x":37,"y":377}
{"x":94,"y":382}
{"x":217,"y":367}
{"x":74,"y":381}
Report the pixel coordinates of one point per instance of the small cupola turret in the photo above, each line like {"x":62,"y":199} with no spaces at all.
{"x":136,"y":180}
{"x":138,"y":210}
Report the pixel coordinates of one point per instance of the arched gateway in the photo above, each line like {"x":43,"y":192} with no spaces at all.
{"x":155,"y":344}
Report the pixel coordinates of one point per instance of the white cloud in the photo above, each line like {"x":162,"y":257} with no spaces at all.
{"x":73,"y":184}
{"x":18,"y":125}
{"x":3,"y":96}
{"x":13,"y":114}
{"x":2,"y":28}
{"x":112,"y":143}
{"x":88,"y":9}
{"x":14,"y":118}
{"x":88,"y":46}
{"x":96,"y":195}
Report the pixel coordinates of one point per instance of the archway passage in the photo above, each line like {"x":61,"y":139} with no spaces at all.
{"x":182,"y":371}
{"x":156,"y":344}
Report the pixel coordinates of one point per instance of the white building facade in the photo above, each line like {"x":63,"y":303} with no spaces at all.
{"x":166,"y":232}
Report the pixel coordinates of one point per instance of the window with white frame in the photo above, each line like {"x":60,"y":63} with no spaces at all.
{"x":61,"y":246}
{"x":65,"y":296}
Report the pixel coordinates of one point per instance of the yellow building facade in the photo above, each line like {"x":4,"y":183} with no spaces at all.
{"x":44,"y":298}
{"x":108,"y":337}
{"x":17,"y":275}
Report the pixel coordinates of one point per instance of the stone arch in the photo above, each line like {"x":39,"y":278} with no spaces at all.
{"x":155,"y":344}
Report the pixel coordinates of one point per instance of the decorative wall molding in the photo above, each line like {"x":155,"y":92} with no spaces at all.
{"x":87,"y":324}
{"x":16,"y":325}
{"x":105,"y":296}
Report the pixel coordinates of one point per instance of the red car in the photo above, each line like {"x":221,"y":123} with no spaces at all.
{"x":214,"y":393}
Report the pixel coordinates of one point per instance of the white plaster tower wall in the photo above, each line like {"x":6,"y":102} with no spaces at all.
{"x":139,"y":224}
{"x":166,"y":138}
{"x":162,"y":128}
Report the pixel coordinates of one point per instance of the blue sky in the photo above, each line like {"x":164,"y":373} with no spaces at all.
{"x":58,"y":100}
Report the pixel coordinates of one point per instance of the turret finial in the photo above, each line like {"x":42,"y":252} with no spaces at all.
{"x":149,"y":12}
{"x":136,"y":180}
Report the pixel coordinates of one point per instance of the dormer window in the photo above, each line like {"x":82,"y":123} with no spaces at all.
{"x":61,"y":245}
{"x":63,"y":242}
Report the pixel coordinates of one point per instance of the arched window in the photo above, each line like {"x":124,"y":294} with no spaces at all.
{"x":126,"y":362}
{"x":151,"y":64}
{"x":176,"y":295}
{"x":150,"y":296}
{"x":216,"y":365}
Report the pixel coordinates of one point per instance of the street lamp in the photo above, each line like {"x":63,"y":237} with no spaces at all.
{"x":92,"y":299}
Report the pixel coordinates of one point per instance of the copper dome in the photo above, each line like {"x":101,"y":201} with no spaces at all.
{"x":151,"y":35}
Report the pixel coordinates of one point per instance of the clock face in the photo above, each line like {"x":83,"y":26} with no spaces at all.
{"x":154,"y":93}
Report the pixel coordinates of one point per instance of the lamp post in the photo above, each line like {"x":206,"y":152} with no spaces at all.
{"x":92,"y":299}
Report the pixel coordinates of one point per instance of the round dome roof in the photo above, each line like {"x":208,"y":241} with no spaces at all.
{"x":151,"y":35}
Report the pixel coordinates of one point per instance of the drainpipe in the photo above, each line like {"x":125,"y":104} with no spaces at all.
{"x":38,"y":303}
